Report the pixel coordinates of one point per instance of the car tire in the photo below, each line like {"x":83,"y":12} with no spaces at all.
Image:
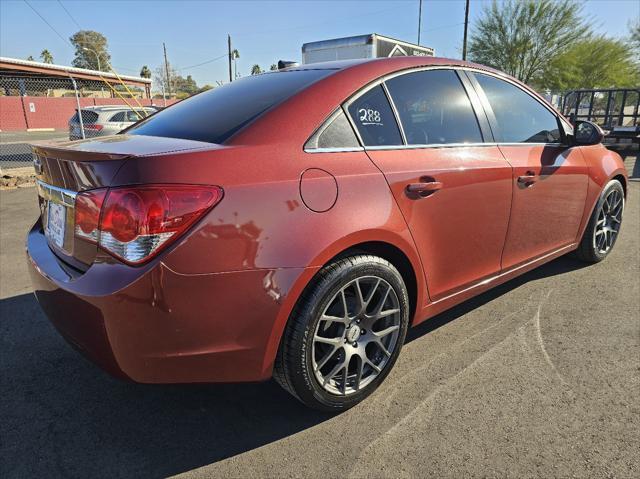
{"x":604,"y":225}
{"x":351,"y":293}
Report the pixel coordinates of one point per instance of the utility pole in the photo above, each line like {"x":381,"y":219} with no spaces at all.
{"x":419,"y":20}
{"x":166,"y":69}
{"x":466,"y":25}
{"x":229,"y":45}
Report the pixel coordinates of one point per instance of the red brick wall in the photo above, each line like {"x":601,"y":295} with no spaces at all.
{"x":11,"y":114}
{"x":51,"y":112}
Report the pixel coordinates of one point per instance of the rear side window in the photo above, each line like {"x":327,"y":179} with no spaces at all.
{"x":374,"y":118}
{"x":520,"y":117}
{"x":215,"y":115}
{"x":87,"y":117}
{"x":434,"y":108}
{"x":335,"y":133}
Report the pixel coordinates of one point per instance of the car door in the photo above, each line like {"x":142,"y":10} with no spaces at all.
{"x":549,"y":178}
{"x":453,"y":189}
{"x":116,"y":123}
{"x":132,"y":117}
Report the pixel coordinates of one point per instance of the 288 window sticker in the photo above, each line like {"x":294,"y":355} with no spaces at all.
{"x":369,"y":116}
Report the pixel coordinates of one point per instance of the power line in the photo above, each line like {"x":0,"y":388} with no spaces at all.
{"x":69,"y":14}
{"x":58,"y":33}
{"x":203,"y":63}
{"x":45,"y":21}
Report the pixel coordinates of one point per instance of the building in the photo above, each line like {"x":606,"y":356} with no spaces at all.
{"x":30,"y":78}
{"x":41,"y":96}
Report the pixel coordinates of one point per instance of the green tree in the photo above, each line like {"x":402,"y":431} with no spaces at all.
{"x":31,"y":59}
{"x":256,"y":70}
{"x":91,"y":50}
{"x":180,"y":87}
{"x":273,"y":67}
{"x":597,"y":62}
{"x":164,"y":82}
{"x":46,"y":56}
{"x":185,"y":87}
{"x":522,"y":37}
{"x":145,"y":72}
{"x":634,"y":39}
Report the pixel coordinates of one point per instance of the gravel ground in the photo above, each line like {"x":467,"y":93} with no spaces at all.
{"x":538,"y":378}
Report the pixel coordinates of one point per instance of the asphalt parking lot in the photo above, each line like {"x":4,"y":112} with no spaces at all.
{"x":537,"y":378}
{"x":15,"y":148}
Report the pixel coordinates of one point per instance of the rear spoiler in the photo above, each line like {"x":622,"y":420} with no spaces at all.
{"x":60,"y":149}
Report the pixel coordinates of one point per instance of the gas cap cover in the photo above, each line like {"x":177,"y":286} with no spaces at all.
{"x":318,"y":189}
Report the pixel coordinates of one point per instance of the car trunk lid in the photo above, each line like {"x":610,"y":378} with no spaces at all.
{"x":65,"y":169}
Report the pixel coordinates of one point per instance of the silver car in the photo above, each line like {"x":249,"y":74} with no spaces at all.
{"x":105,"y":120}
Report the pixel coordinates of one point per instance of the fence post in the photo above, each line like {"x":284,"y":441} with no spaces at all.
{"x":75,"y":88}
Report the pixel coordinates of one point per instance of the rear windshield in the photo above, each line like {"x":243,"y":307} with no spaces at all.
{"x":87,"y":117}
{"x":215,"y":115}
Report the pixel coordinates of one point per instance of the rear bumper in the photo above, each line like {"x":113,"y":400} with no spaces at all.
{"x":154,"y":325}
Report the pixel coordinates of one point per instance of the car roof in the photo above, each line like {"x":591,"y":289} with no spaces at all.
{"x":407,"y":61}
{"x":315,"y":103}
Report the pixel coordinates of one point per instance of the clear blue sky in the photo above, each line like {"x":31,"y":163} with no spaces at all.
{"x":262,"y":31}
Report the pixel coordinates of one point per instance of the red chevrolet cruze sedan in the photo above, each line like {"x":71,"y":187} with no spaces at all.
{"x":294,"y":224}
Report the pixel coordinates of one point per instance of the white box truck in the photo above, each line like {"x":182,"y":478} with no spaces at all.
{"x":371,"y":45}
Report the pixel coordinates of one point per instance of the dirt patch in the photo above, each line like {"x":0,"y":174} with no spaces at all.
{"x":17,"y":178}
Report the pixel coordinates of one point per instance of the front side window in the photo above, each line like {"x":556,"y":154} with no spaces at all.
{"x":133,"y":116}
{"x":434,"y":108}
{"x":520,"y":118}
{"x":374,"y":119}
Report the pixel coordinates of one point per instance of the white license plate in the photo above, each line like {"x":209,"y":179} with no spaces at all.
{"x":56,"y":223}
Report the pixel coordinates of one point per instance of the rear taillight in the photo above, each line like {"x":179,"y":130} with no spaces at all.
{"x":87,"y":209}
{"x":136,"y":223}
{"x":93,"y":126}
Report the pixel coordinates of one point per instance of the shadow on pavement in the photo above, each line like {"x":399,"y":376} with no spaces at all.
{"x":62,"y":416}
{"x":564,"y":264}
{"x":629,"y":153}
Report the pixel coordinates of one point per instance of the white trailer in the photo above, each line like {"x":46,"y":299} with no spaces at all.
{"x":371,"y":45}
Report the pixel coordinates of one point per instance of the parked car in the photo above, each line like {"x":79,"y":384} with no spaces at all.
{"x":295,"y":224}
{"x":105,"y":120}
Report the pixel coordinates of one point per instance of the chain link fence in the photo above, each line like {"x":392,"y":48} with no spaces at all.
{"x":35,"y":109}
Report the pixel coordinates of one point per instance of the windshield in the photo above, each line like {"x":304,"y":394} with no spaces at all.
{"x":215,"y":115}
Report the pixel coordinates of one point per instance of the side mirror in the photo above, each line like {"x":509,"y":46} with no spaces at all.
{"x":587,"y":133}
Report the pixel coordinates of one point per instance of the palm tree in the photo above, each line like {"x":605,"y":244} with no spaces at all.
{"x":46,"y":56}
{"x":145,"y":72}
{"x":273,"y":67}
{"x":31,"y":59}
{"x":256,"y":70}
{"x":235,"y":54}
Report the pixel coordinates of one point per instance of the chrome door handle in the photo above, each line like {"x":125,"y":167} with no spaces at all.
{"x":527,"y":179}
